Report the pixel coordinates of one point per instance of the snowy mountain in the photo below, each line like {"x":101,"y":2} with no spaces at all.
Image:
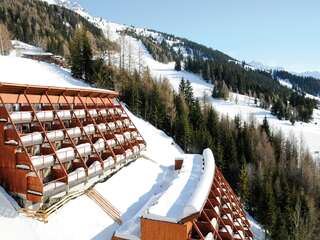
{"x":69,"y":4}
{"x":161,"y":148}
{"x":262,"y":67}
{"x":72,"y":5}
{"x":314,"y":74}
{"x":135,"y":52}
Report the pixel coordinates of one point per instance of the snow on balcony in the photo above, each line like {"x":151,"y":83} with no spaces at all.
{"x":45,"y":116}
{"x":188,"y":191}
{"x":21,"y":117}
{"x":32,"y":139}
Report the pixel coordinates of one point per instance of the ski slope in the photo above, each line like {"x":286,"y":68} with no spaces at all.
{"x":236,"y":105}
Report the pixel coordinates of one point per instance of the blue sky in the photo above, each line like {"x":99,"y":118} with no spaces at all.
{"x":275,"y":32}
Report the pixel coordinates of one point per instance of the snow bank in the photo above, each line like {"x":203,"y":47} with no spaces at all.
{"x":131,"y":190}
{"x":189,"y":190}
{"x":201,"y":193}
{"x":169,"y":207}
{"x":26,"y":71}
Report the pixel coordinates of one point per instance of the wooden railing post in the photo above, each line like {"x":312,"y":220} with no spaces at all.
{"x":66,"y":132}
{"x":81,"y":126}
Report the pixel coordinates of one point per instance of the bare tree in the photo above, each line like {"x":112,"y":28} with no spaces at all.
{"x":108,"y":51}
{"x":129,"y":45}
{"x":140,"y":59}
{"x":5,"y":40}
{"x":122,"y":50}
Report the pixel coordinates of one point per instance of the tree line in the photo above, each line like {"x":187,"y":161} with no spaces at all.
{"x":50,"y":27}
{"x":228,"y":76}
{"x":300,"y":83}
{"x":277,"y":180}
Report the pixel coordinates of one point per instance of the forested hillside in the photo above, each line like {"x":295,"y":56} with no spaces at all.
{"x":307,"y":84}
{"x":48,"y":26}
{"x":166,"y":47}
{"x":286,"y":103}
{"x":277,"y":181}
{"x":227,"y":74}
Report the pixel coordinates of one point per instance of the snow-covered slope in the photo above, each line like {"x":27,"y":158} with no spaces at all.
{"x":314,"y":74}
{"x":130,"y":190}
{"x":262,"y":67}
{"x":71,"y":4}
{"x":236,"y":105}
{"x":26,"y":71}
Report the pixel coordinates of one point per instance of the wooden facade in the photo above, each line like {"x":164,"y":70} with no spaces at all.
{"x":156,"y":230}
{"x":54,"y":139}
{"x":222,"y":218}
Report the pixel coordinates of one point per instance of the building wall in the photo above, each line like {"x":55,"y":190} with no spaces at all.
{"x":159,"y":230}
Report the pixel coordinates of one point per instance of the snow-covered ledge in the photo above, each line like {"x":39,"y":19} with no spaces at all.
{"x":188,"y":191}
{"x":201,"y":193}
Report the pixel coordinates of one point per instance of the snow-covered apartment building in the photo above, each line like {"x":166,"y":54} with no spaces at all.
{"x":57,"y":141}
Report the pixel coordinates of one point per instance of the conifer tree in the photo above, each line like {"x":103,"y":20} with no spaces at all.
{"x":188,"y":93}
{"x":244,"y":183}
{"x":76,"y":56}
{"x":87,"y":56}
{"x":177,"y":66}
{"x":265,"y":126}
{"x":182,"y":86}
{"x":220,"y":90}
{"x":270,"y":207}
{"x":195,"y":115}
{"x":81,"y":56}
{"x":212,"y":124}
{"x":103,"y":74}
{"x":182,"y":127}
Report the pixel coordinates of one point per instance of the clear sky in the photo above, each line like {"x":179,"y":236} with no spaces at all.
{"x":275,"y":32}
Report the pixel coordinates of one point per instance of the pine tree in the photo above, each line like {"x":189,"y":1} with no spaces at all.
{"x":76,"y":56}
{"x":244,"y":183}
{"x":182,"y":86}
{"x":182,"y":126}
{"x":212,"y":124}
{"x":265,"y":126}
{"x":195,"y":116}
{"x":81,"y":56}
{"x":87,"y":57}
{"x":270,"y":207}
{"x":177,"y":66}
{"x":188,"y":93}
{"x":220,"y":90}
{"x":103,"y":74}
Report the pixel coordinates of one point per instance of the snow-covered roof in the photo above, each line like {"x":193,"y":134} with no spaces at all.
{"x":188,"y":191}
{"x":26,"y":53}
{"x":24,"y":46}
